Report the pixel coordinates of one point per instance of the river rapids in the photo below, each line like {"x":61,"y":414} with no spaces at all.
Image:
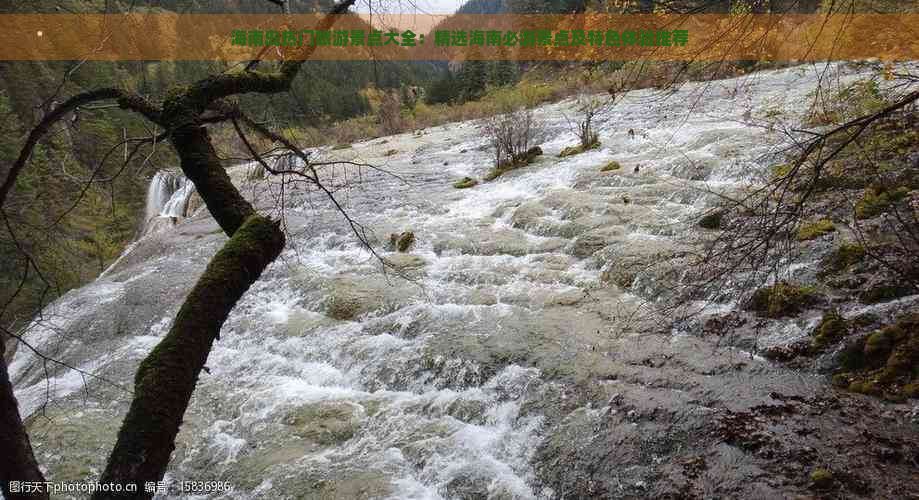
{"x":500,"y":357}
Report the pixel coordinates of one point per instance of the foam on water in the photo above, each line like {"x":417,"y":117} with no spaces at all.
{"x":433,"y":423}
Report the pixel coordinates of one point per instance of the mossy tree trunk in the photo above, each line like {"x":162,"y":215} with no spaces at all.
{"x":166,"y":379}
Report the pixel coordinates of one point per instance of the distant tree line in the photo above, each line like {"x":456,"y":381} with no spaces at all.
{"x":473,"y":77}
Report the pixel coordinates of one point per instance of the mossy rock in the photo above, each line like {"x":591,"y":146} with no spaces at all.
{"x":815,"y":230}
{"x":879,"y":344}
{"x":866,"y":387}
{"x":783,"y":353}
{"x":570,"y":151}
{"x":831,"y":329}
{"x":886,"y":362}
{"x":351,"y":296}
{"x":405,"y":241}
{"x":884,"y":292}
{"x":852,"y":357}
{"x":611,"y":166}
{"x":405,"y":261}
{"x":465,"y":182}
{"x":822,"y":479}
{"x":338,"y":147}
{"x":878,"y":200}
{"x":835,"y":177}
{"x":402,"y":242}
{"x":781,"y":300}
{"x":838,"y":182}
{"x":842,"y":258}
{"x":518,"y":161}
{"x":711,"y":221}
{"x":323,"y":423}
{"x":782,"y":170}
{"x":576,"y":150}
{"x":911,"y":390}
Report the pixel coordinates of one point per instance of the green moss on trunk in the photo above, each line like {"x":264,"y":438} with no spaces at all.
{"x":167,"y":377}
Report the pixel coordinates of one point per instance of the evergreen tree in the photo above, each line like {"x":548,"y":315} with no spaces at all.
{"x":503,"y":71}
{"x":444,"y":90}
{"x":473,"y":77}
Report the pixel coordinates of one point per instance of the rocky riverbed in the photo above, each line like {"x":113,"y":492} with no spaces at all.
{"x":512,"y":350}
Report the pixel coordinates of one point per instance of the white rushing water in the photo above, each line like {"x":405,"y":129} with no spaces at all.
{"x":168,"y":195}
{"x":331,"y":380}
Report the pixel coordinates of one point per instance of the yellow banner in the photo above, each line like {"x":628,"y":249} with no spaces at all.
{"x":439,"y":37}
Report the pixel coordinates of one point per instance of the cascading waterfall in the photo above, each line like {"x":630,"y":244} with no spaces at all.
{"x":168,"y":197}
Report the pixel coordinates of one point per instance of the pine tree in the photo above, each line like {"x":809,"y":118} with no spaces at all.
{"x":503,"y":71}
{"x":443,"y":90}
{"x":473,"y":77}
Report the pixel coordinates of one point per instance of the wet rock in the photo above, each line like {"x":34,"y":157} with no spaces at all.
{"x":468,"y":410}
{"x":349,"y":297}
{"x":300,"y":322}
{"x":79,"y":440}
{"x":405,"y":261}
{"x":324,"y":423}
{"x":711,"y":221}
{"x":402,"y":242}
{"x":465,"y":182}
{"x":694,"y":171}
{"x":623,"y":264}
{"x":832,"y":328}
{"x":782,"y":299}
{"x":194,"y":203}
{"x":347,"y":485}
{"x":586,"y":245}
{"x":822,"y":479}
{"x":160,"y":224}
{"x":589,"y":243}
{"x":879,"y":289}
{"x":611,"y":166}
{"x":528,"y":214}
{"x":784,"y":353}
{"x":468,"y":485}
{"x":490,"y":241}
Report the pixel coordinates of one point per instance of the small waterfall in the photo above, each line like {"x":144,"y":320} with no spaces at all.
{"x":167,"y":197}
